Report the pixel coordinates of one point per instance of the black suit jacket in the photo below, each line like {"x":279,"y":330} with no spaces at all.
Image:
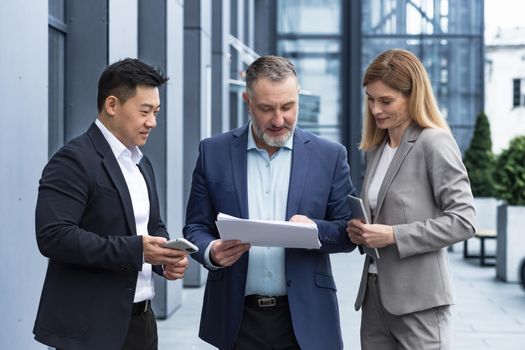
{"x":86,"y":227}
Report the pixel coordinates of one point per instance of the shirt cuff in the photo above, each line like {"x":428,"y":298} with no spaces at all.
{"x":207,"y":258}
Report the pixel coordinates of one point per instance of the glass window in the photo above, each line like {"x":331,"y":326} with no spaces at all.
{"x":309,"y":16}
{"x":309,"y":34}
{"x":518,"y":92}
{"x":318,"y":68}
{"x":447,"y":36}
{"x":422,"y":16}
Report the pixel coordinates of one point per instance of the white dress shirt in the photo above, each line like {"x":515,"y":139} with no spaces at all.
{"x":128,"y":160}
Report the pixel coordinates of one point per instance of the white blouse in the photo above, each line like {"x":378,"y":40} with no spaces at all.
{"x":377,"y":180}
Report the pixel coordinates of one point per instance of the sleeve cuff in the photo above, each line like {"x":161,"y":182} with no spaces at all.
{"x":207,"y":258}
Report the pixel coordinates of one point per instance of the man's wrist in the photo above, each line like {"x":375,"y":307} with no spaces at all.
{"x":210,"y":263}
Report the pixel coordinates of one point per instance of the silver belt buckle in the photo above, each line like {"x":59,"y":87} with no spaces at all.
{"x":146,"y":305}
{"x":266,"y":301}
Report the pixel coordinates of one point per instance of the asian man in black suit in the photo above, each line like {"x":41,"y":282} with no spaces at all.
{"x":98,"y":221}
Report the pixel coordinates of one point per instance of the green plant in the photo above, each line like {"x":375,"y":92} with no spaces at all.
{"x":479,"y":159}
{"x":510,"y":173}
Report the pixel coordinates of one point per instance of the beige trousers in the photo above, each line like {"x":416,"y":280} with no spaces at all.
{"x":380,"y":330}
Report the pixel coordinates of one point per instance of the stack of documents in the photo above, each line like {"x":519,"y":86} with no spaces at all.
{"x":268,"y":233}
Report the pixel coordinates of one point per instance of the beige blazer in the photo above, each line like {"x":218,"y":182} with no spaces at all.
{"x":426,"y":197}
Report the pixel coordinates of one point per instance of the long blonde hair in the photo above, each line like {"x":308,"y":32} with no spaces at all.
{"x":402,"y":71}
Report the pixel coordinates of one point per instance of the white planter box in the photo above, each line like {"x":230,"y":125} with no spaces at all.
{"x":486,"y":212}
{"x":486,"y":219}
{"x":511,"y":242}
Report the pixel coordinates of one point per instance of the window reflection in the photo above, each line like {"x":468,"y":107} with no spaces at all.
{"x":309,"y":34}
{"x":447,"y":36}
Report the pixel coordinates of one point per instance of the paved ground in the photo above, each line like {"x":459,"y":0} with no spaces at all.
{"x":488,"y":314}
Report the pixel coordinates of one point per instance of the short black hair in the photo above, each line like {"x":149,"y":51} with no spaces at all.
{"x":121,"y":78}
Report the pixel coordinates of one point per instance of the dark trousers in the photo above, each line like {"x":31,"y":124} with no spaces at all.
{"x":142,"y":332}
{"x":266,"y":328}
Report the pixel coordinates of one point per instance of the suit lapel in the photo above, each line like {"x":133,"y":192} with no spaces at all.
{"x":239,"y":164}
{"x":113,"y":169}
{"x":407,"y":141}
{"x":299,"y":172}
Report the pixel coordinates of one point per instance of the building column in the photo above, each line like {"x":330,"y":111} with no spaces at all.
{"x":351,"y":108}
{"x":160,"y":43}
{"x":123,"y":29}
{"x":220,"y":66}
{"x":238,"y":110}
{"x":197,"y":100}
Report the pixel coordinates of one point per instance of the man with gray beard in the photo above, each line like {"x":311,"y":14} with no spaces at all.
{"x":269,"y":169}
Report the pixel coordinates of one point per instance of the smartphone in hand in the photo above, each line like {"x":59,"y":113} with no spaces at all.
{"x":358,"y":212}
{"x":182,"y":244}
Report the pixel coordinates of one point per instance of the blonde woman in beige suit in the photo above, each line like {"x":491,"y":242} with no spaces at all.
{"x":417,"y":192}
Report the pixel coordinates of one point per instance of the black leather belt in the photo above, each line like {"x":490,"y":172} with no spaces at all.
{"x":141,"y":307}
{"x":265,"y":301}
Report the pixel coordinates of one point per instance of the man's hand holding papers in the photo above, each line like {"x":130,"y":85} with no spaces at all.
{"x":301,"y":218}
{"x":299,"y":233}
{"x":226,"y":252}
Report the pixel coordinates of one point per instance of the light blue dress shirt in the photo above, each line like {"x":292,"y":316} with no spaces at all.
{"x":268,"y":182}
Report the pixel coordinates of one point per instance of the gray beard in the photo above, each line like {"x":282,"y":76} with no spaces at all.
{"x":273,"y":141}
{"x":277,"y":141}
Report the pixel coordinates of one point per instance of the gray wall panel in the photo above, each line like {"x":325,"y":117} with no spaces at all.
{"x":87,"y":56}
{"x":197,"y":101}
{"x":265,"y":27}
{"x":23,"y":154}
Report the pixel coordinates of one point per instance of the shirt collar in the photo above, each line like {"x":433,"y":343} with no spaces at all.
{"x":252,"y":145}
{"x":118,"y":147}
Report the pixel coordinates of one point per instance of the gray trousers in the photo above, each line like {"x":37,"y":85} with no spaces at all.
{"x":423,"y":330}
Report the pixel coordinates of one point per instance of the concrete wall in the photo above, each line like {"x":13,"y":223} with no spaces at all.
{"x":23,"y":153}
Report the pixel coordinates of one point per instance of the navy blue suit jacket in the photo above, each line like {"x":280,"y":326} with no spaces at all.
{"x":319,"y":184}
{"x":86,"y":227}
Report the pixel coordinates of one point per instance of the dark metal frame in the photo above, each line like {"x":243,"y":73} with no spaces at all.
{"x":56,"y":97}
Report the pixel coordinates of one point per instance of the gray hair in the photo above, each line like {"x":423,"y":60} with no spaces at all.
{"x":270,"y":67}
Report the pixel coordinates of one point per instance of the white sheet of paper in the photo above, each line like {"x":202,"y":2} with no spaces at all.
{"x":268,"y":233}
{"x":358,"y":212}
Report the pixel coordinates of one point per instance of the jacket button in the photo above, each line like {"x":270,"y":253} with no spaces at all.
{"x":289,"y":283}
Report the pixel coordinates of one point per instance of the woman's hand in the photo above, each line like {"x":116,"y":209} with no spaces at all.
{"x":372,"y":236}
{"x":354,"y":233}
